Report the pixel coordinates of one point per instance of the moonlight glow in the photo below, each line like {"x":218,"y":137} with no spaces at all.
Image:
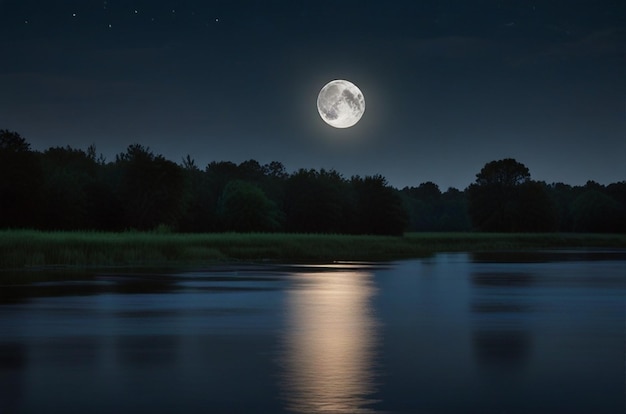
{"x":341,"y":104}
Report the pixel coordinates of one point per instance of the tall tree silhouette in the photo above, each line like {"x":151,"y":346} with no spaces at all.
{"x":504,"y":199}
{"x":594,"y":211}
{"x":243,"y":207}
{"x":380,"y":208}
{"x":423,"y":204}
{"x":21,"y":181}
{"x":200,"y":200}
{"x":454,"y":215}
{"x":316,"y":201}
{"x":69,"y":176}
{"x":67,"y":189}
{"x":151,"y":187}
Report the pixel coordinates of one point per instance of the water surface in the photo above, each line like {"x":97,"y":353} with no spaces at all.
{"x":491,"y":333}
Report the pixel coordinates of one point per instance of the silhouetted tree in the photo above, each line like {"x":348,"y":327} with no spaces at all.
{"x":506,"y":173}
{"x":562,"y":196}
{"x":380,"y":208}
{"x":276,"y":169}
{"x":313,"y":201}
{"x":617,"y":191}
{"x":430,"y":210}
{"x":423,"y":205}
{"x":200,"y":213}
{"x":189,"y":164}
{"x":504,"y":199}
{"x":454,"y":214}
{"x":70,"y":175}
{"x":269,"y":178}
{"x":274,"y":181}
{"x":151,"y":187}
{"x":21,"y":180}
{"x":65,"y":188}
{"x":594,"y":211}
{"x":250,"y":171}
{"x":220,"y":174}
{"x":537,"y":211}
{"x":243,"y":207}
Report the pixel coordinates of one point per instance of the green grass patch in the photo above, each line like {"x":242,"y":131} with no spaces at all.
{"x":26,"y":248}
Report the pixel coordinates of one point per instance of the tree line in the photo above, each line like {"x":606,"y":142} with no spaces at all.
{"x":64,"y":188}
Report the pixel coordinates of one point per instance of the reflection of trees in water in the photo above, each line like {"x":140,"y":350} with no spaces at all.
{"x":517,"y":256}
{"x":547,"y":256}
{"x":330,"y":343}
{"x":142,"y":283}
{"x":55,"y":283}
{"x":13,"y":361}
{"x":147,"y":351}
{"x":500,"y":338}
{"x":504,"y":279}
{"x":505,"y":348}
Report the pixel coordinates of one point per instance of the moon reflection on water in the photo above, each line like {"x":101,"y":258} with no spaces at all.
{"x":330,"y":343}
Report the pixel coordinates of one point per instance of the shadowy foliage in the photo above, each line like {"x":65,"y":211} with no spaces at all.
{"x":64,"y":188}
{"x":594,"y":211}
{"x":69,"y":188}
{"x":505,"y":199}
{"x":21,"y":182}
{"x":380,"y":207}
{"x":244,"y":207}
{"x":317,"y":202}
{"x":431,"y":210}
{"x":151,"y":187}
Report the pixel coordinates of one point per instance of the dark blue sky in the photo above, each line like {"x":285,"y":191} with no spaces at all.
{"x":449,"y":85}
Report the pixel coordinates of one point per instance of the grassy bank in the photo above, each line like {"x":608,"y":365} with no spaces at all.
{"x":25,"y":248}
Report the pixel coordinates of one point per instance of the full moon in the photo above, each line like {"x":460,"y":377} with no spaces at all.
{"x":340,"y":104}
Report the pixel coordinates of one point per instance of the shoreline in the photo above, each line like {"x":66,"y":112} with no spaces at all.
{"x":31,"y":249}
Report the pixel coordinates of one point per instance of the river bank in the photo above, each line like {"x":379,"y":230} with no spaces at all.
{"x":27,"y":248}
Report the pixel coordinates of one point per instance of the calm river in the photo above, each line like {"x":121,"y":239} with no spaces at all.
{"x":456,"y":333}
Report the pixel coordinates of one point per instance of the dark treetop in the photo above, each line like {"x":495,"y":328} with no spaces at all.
{"x":72,"y":189}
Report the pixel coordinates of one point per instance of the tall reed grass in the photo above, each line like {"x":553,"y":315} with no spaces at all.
{"x":29,"y":248}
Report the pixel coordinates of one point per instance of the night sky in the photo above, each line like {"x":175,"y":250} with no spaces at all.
{"x":449,"y":85}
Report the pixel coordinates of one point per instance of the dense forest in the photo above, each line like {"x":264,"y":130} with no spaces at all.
{"x":64,"y":188}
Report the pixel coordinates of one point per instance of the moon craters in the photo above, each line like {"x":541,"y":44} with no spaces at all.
{"x":341,"y":104}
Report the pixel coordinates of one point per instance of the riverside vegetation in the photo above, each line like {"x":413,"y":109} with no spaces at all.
{"x":144,"y":210}
{"x":63,"y":188}
{"x":35,"y":249}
